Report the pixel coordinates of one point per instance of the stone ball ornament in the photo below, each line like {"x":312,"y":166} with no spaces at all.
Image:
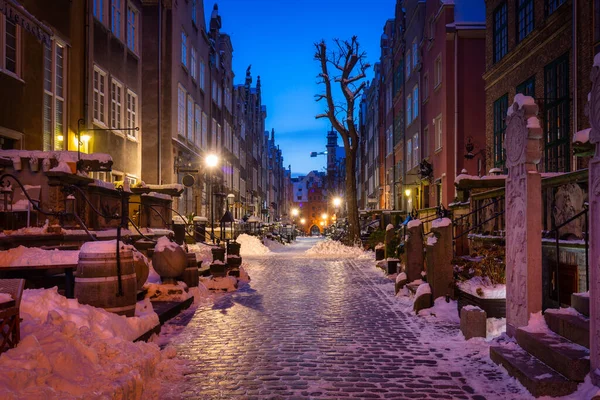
{"x":169,"y":260}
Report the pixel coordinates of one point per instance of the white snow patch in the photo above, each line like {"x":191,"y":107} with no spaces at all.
{"x":490,"y":291}
{"x":389,"y":227}
{"x":226,"y":283}
{"x":423,"y":289}
{"x":401,"y":277}
{"x":164,"y":243}
{"x":35,"y":256}
{"x":521,"y":101}
{"x":251,"y":246}
{"x":582,"y":136}
{"x":495,"y":327}
{"x":330,"y":247}
{"x":4,"y":297}
{"x":413,"y":223}
{"x":442,"y":310}
{"x":167,"y":292}
{"x":441,"y":222}
{"x":431,"y":240}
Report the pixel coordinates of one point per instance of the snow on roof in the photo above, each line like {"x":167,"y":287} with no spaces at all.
{"x":157,"y":195}
{"x":413,"y":222}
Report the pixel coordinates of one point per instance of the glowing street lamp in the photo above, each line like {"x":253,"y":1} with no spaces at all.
{"x":324,"y":216}
{"x":303,"y":221}
{"x":295,"y":212}
{"x":407,"y":192}
{"x":337,"y":201}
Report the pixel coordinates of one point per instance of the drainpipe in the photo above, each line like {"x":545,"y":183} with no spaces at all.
{"x":86,"y":68}
{"x":159,"y":92}
{"x":455,"y":107}
{"x":575,"y":75}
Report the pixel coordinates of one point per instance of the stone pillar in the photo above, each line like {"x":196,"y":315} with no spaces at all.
{"x":594,"y":227}
{"x":440,"y":274}
{"x":414,"y":252}
{"x":523,"y":213}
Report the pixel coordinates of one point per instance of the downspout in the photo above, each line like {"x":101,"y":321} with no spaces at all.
{"x":159,"y":92}
{"x":575,"y":83}
{"x":86,"y":65}
{"x":455,"y":107}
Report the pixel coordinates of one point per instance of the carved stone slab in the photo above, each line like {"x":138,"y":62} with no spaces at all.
{"x":414,"y":253}
{"x":523,"y":214}
{"x":594,"y":227}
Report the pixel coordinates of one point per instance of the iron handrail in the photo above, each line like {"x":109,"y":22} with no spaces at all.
{"x":496,"y":215}
{"x":478,"y":209}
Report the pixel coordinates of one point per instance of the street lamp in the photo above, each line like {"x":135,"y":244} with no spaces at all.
{"x":295,"y":212}
{"x":212,"y":160}
{"x":324,"y":216}
{"x":337,"y":201}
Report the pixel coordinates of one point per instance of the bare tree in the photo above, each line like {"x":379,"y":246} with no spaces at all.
{"x":349,"y":67}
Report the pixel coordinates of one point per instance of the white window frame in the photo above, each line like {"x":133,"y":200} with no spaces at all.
{"x":133,"y":30}
{"x":116,"y":18}
{"x":193,"y":63}
{"x":131,"y":113}
{"x":99,"y":97}
{"x":415,"y":93}
{"x":197,"y":126}
{"x":202,"y":76}
{"x":181,"y":113}
{"x":190,"y":119}
{"x":184,"y":49}
{"x":99,"y":9}
{"x":437,"y":71}
{"x":55,"y":136}
{"x":437,"y":123}
{"x":18,"y":49}
{"x":116,"y":106}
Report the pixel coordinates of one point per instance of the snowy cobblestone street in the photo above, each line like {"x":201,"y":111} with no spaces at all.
{"x":317,"y":327}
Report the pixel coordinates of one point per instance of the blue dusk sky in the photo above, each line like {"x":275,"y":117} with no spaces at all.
{"x":277,"y":37}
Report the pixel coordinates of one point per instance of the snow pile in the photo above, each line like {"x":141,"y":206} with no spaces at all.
{"x":495,"y":327}
{"x":57,"y":358}
{"x":330,"y":247}
{"x":167,"y":292}
{"x":200,"y":293}
{"x":537,"y":323}
{"x":521,"y":101}
{"x":414,"y":223}
{"x":244,"y":277}
{"x":442,"y":310}
{"x":43,"y":230}
{"x":36,"y":304}
{"x":35,"y":256}
{"x":389,"y":227}
{"x":62,"y":167}
{"x":423,"y":289}
{"x":401,"y":277}
{"x":441,"y":222}
{"x":202,"y":251}
{"x":482,"y":287}
{"x":431,"y":240}
{"x":4,"y":297}
{"x":226,"y":283}
{"x":251,"y":246}
{"x":164,"y":243}
{"x":582,"y":136}
{"x":273,"y":245}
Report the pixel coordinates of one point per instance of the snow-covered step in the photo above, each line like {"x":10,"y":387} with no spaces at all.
{"x":537,"y":377}
{"x":569,"y":324}
{"x":581,"y":302}
{"x":560,"y":354}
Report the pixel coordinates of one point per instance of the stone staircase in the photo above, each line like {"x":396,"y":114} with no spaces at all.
{"x":554,"y":362}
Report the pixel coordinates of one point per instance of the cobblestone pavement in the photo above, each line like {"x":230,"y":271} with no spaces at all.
{"x":324,"y":328}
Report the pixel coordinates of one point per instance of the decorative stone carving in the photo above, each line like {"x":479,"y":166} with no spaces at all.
{"x":594,"y":227}
{"x":523,"y":213}
{"x":568,"y":201}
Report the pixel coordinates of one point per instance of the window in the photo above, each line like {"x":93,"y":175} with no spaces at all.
{"x":552,"y":5}
{"x":115,"y":21}
{"x":99,"y":96}
{"x":183,"y":49}
{"x":437,"y":125}
{"x":438,"y":71}
{"x":415,"y":150}
{"x":214,"y":90}
{"x":132,"y":28}
{"x":426,"y":141}
{"x":131,"y":114}
{"x":431,"y":29}
{"x":408,"y":64}
{"x":524,"y":18}
{"x":415,"y":54}
{"x":99,"y":10}
{"x":55,"y":66}
{"x":528,"y":87}
{"x":408,"y":154}
{"x":193,"y":66}
{"x":194,"y":13}
{"x":408,"y":110}
{"x":181,"y":111}
{"x":425,"y":86}
{"x":190,"y":118}
{"x":116,"y":103}
{"x":197,"y":126}
{"x":202,"y":75}
{"x":398,"y":78}
{"x":204,"y":131}
{"x":499,"y":110}
{"x":415,"y":102}
{"x":556,"y":110}
{"x":389,"y":141}
{"x":10,"y":49}
{"x":213,"y":134}
{"x":500,"y":32}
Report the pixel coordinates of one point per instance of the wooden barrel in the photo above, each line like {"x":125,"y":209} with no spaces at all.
{"x":96,"y":282}
{"x":190,"y":275}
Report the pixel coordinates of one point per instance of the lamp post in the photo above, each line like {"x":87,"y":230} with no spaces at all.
{"x":212,"y":161}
